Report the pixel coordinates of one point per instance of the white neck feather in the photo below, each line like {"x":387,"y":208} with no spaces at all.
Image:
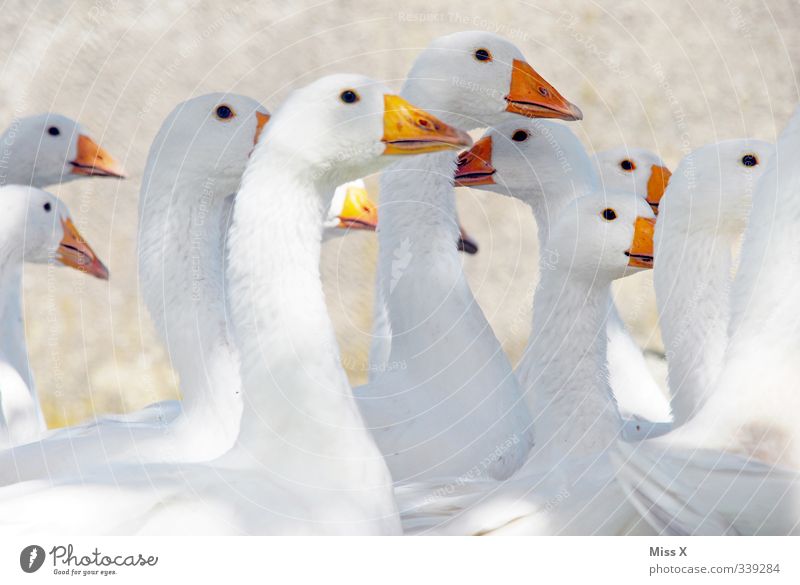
{"x":692,"y":278}
{"x":181,"y":270}
{"x":564,"y":371}
{"x":300,"y":418}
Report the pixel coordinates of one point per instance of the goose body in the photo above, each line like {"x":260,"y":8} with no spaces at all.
{"x":733,"y":467}
{"x":452,"y":405}
{"x":195,"y":164}
{"x":567,"y":485}
{"x":543,"y":164}
{"x":302,"y":461}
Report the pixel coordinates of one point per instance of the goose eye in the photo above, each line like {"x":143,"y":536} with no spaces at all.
{"x":627,"y":165}
{"x":224,"y":112}
{"x":609,"y":214}
{"x":349,"y":96}
{"x":53,"y":131}
{"x":483,"y":55}
{"x":47,"y":207}
{"x":749,"y":160}
{"x":520,"y":136}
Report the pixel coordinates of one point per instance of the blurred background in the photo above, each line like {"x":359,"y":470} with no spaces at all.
{"x":669,"y":76}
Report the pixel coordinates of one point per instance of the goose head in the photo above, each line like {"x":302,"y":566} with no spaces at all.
{"x":210,"y":138}
{"x":600,"y":238}
{"x":634,"y":170}
{"x":351,"y":209}
{"x":712,"y":187}
{"x":531,"y":160}
{"x":41,"y":228}
{"x":476,"y":78}
{"x":342,"y":127}
{"x":49,"y":148}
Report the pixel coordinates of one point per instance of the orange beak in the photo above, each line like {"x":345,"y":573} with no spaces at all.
{"x":656,"y":185}
{"x":640,"y":254}
{"x":533,"y":97}
{"x":261,"y":120}
{"x":465,"y":243}
{"x":475,"y":165}
{"x":409,"y":130}
{"x":76,"y":253}
{"x":359,"y":212}
{"x":93,"y":160}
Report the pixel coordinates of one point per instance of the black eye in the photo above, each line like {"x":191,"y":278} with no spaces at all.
{"x":520,"y":136}
{"x":609,"y":214}
{"x":627,"y":165}
{"x":349,"y":96}
{"x":47,"y":207}
{"x":483,"y":55}
{"x":749,"y":160}
{"x":53,"y":131}
{"x":224,"y":112}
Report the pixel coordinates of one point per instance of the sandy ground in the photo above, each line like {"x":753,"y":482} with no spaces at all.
{"x":664,"y":75}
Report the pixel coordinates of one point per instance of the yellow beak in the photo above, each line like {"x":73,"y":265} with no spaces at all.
{"x":409,"y":130}
{"x":359,"y":212}
{"x":93,"y":160}
{"x":530,"y":95}
{"x":640,"y":254}
{"x":73,"y":251}
{"x":656,"y":185}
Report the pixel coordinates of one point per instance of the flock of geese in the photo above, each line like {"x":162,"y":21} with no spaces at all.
{"x":269,"y":437}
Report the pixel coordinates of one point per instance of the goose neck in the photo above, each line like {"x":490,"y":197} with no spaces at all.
{"x":298,"y":405}
{"x":564,"y":371}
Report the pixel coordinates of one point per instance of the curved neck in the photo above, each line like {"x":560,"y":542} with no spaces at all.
{"x":692,"y":278}
{"x":557,"y":183}
{"x":181,"y":270}
{"x":21,"y":413}
{"x":300,"y":418}
{"x":564,"y":371}
{"x":420,"y":272}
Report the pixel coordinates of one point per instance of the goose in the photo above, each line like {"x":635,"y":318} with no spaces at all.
{"x":544,"y":164}
{"x":453,"y":405}
{"x":41,"y":151}
{"x":643,"y":172}
{"x":37,"y":228}
{"x":195,"y":162}
{"x":48,"y":149}
{"x":702,"y":219}
{"x":567,"y":484}
{"x":733,"y":467}
{"x":303,"y":461}
{"x":633,"y":169}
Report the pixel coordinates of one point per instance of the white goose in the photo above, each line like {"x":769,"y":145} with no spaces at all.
{"x":36,"y":228}
{"x":453,"y":405}
{"x":633,"y":170}
{"x":48,"y":149}
{"x":196,"y":161}
{"x":567,"y":484}
{"x":733,"y":467}
{"x":545,"y":165}
{"x":40,"y":151}
{"x":303,"y":461}
{"x":703,"y":216}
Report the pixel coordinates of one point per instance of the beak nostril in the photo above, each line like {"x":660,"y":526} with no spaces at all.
{"x":544,"y":91}
{"x":423,"y":123}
